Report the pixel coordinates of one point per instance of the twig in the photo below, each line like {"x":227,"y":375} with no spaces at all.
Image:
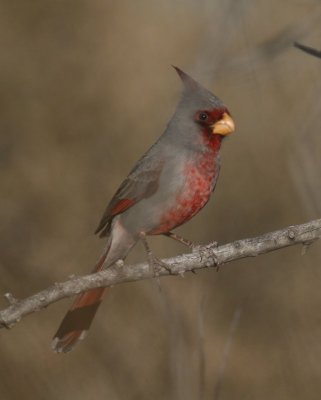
{"x":205,"y":256}
{"x":227,"y":349}
{"x":308,"y":49}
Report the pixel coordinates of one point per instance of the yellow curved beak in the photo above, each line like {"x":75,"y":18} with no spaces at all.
{"x":224,"y":126}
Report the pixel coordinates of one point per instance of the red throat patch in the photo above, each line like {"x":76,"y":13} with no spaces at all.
{"x":211,"y":140}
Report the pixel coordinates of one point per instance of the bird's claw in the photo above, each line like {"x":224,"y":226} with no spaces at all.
{"x":210,"y":260}
{"x":198,"y":247}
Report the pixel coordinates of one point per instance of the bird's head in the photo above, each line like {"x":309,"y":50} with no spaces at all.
{"x":200,"y":111}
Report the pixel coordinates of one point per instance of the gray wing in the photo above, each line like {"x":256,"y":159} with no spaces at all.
{"x":141,"y":183}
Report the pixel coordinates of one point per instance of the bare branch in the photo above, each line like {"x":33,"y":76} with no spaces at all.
{"x":205,"y":256}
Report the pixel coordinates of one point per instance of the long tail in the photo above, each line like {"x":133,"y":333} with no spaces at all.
{"x":78,"y":319}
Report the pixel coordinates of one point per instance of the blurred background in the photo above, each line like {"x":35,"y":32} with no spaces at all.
{"x":85,"y":88}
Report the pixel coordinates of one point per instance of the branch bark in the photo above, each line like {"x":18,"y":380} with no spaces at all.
{"x":204,"y":256}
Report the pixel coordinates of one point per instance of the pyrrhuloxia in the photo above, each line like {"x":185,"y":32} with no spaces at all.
{"x":169,"y":185}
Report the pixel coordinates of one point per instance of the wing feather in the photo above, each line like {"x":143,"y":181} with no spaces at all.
{"x":141,"y":183}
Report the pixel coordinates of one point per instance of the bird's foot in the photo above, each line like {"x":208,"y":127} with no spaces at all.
{"x":210,"y":259}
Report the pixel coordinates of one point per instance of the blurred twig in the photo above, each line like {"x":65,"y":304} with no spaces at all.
{"x":227,"y":349}
{"x":307,"y":49}
{"x":304,"y":156}
{"x":201,"y":350}
{"x":205,"y":256}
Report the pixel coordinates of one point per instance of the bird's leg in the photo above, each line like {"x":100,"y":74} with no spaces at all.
{"x":180,"y":239}
{"x":154,"y":263}
{"x":193,"y":246}
{"x":150,"y":255}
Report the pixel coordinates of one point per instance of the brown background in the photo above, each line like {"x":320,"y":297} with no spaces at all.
{"x":85,"y":88}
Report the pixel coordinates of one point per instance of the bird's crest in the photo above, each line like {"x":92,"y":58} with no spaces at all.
{"x":188,"y":82}
{"x":195,"y":95}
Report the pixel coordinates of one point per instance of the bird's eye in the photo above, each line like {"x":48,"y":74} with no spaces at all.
{"x":202,"y":116}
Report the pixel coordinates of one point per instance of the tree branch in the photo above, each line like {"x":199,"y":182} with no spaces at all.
{"x":204,"y":256}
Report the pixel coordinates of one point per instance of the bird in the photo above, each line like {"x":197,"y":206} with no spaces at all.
{"x":167,"y":186}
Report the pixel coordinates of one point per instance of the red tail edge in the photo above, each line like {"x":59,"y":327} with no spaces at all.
{"x":78,"y":319}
